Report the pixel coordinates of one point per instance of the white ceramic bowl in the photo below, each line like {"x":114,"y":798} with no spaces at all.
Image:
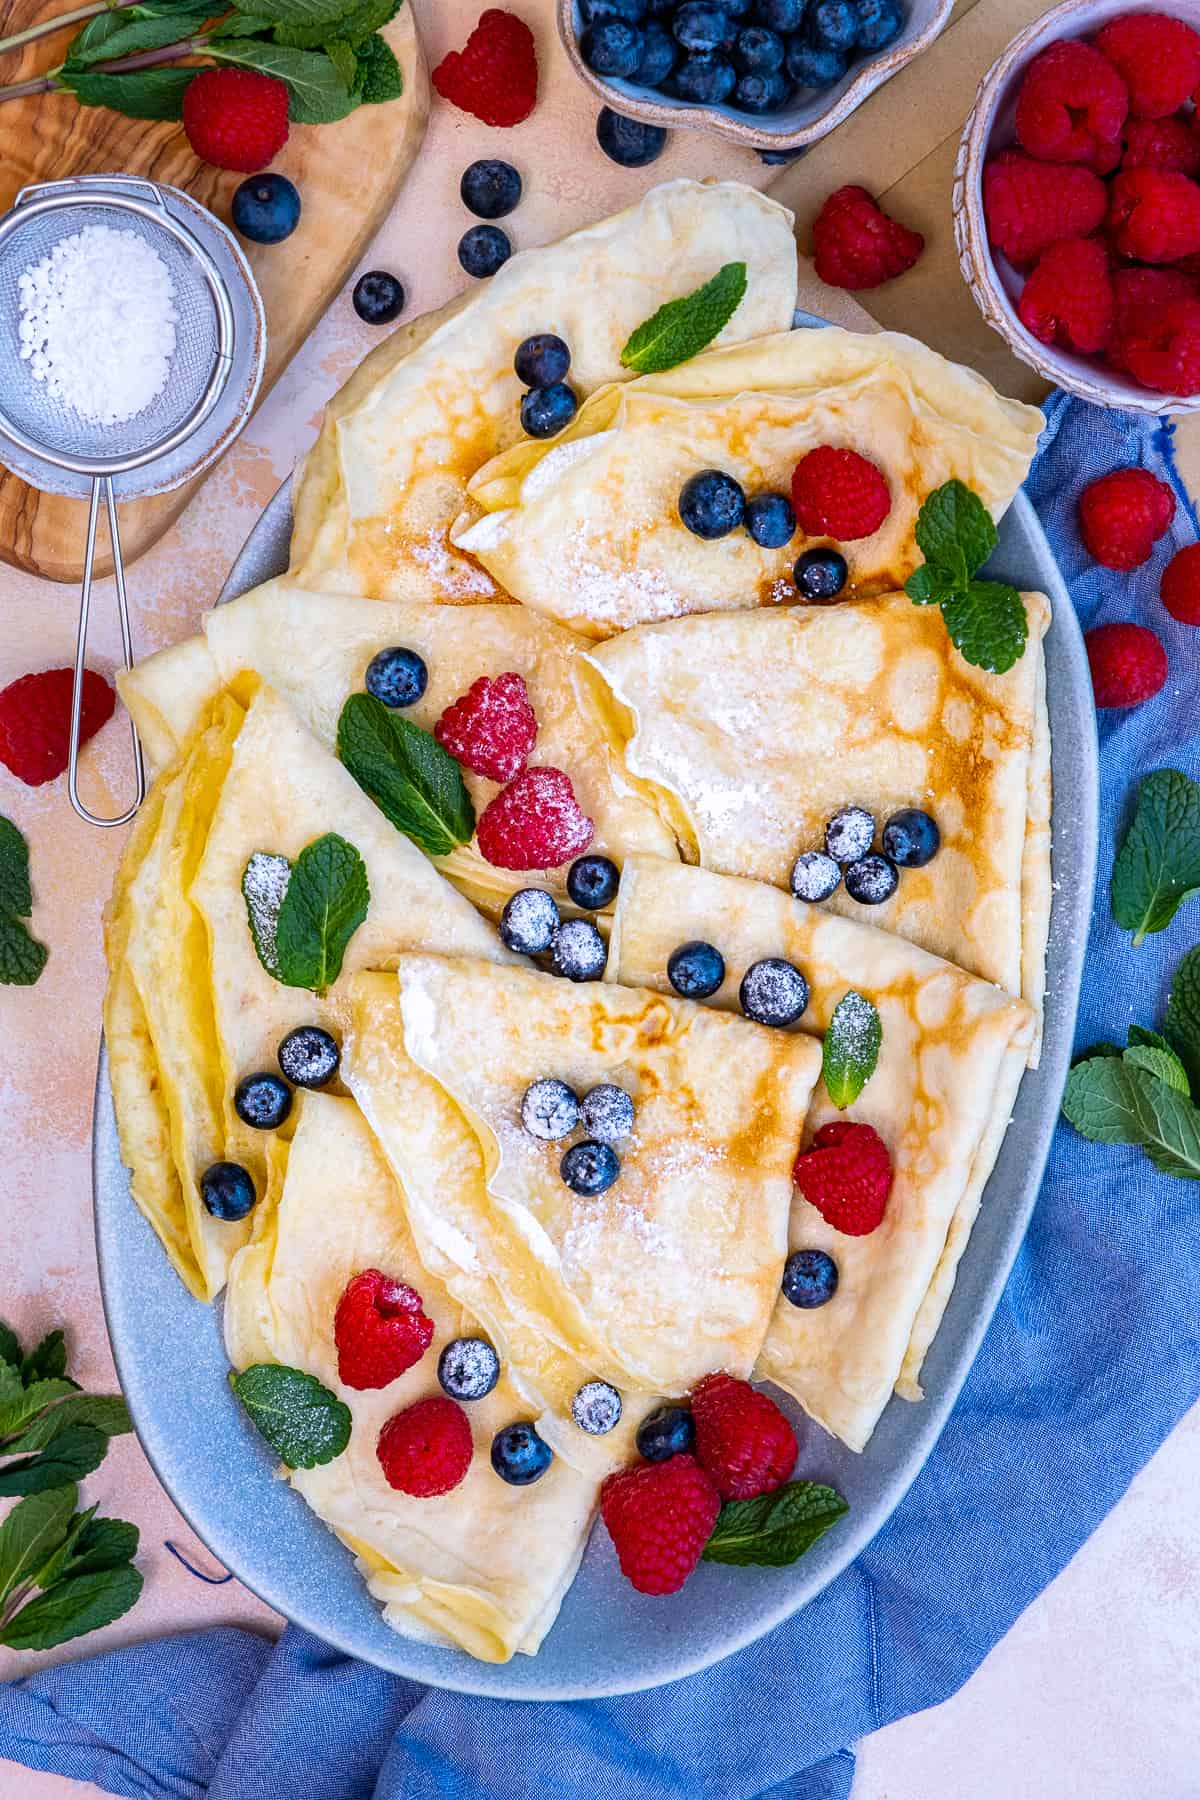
{"x":791,"y":129}
{"x":994,"y":283}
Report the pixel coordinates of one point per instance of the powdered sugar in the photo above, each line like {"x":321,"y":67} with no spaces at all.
{"x":264,"y":884}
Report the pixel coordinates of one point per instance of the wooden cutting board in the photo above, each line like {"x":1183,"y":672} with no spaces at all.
{"x":347,"y":174}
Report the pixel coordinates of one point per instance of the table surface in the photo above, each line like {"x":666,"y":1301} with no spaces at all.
{"x":1096,"y":1691}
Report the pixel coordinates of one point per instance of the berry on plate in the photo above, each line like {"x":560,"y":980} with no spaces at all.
{"x":378,"y":297}
{"x":490,"y":188}
{"x":839,"y":494}
{"x":227,"y":1191}
{"x":1122,"y":515}
{"x":696,"y":969}
{"x":815,"y":876}
{"x":309,"y":1057}
{"x":606,"y":1112}
{"x":426,"y":1449}
{"x":533,"y":823}
{"x":666,"y":1432}
{"x":483,"y":249}
{"x":659,"y":1516}
{"x":494,"y":76}
{"x":1158,"y":58}
{"x":236,"y":118}
{"x":266,"y":209}
{"x":820,"y":575}
{"x":35,"y":721}
{"x":542,"y":360}
{"x":712,"y":504}
{"x":744,"y":1443}
{"x":596,"y":1408}
{"x":770,"y":520}
{"x":1029,"y":205}
{"x":846,"y":1173}
{"x":396,"y":676}
{"x":1180,"y":585}
{"x":545,"y":411}
{"x":520,"y":1455}
{"x":911,"y":838}
{"x":849,"y":834}
{"x":810,"y":1279}
{"x":590,"y":1168}
{"x":592,"y":882}
{"x":490,"y":729}
{"x":468,"y":1368}
{"x":379,"y":1329}
{"x":529,"y":921}
{"x":773,"y":992}
{"x":872,"y":880}
{"x":1068,"y":298}
{"x":1128,"y":664}
{"x":262,"y":1101}
{"x":577,"y":951}
{"x":627,"y":141}
{"x":1071,"y":107}
{"x":857,"y":245}
{"x":549,"y":1110}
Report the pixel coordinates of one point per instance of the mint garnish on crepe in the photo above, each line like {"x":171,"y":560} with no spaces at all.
{"x":302,"y":916}
{"x":986,"y":619}
{"x":1158,"y":865}
{"x":851,"y":1048}
{"x":404,"y":770}
{"x":302,"y":1421}
{"x":683,"y":328}
{"x":775,"y":1529}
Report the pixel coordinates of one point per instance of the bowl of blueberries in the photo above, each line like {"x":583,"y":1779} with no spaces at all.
{"x":768,"y":74}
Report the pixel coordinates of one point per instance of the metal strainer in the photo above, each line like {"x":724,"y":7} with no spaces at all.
{"x":56,"y":448}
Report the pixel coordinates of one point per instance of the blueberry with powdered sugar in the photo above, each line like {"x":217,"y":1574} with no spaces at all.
{"x":309,"y":1057}
{"x":872,"y":880}
{"x":849,"y":834}
{"x":529,"y":921}
{"x":607,"y":1113}
{"x":468,"y":1368}
{"x":578,"y":951}
{"x":773,"y":992}
{"x":549,"y":1110}
{"x":596,"y":1408}
{"x":814,"y":876}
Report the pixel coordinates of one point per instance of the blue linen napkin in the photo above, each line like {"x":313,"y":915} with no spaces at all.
{"x":1092,"y":1357}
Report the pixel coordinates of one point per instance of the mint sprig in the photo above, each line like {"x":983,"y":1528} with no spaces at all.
{"x":1158,"y":865}
{"x":302,"y":1421}
{"x":302,"y":916}
{"x":776,"y":1529}
{"x":22,"y":958}
{"x":414,"y":782}
{"x":682,"y":328}
{"x":1182,"y":1024}
{"x":986,"y":619}
{"x":850,"y":1051}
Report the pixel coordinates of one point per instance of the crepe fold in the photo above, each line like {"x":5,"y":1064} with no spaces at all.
{"x":586,"y":528}
{"x":375,"y":498}
{"x":749,"y":730}
{"x":459,"y":1568}
{"x":951,"y":1059}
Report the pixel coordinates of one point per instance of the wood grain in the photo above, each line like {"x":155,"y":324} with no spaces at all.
{"x":348,"y":175}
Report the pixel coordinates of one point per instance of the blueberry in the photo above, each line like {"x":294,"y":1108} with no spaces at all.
{"x":911,"y":838}
{"x":879,"y":23}
{"x":736,"y":9}
{"x":628,"y":141}
{"x":820,"y":574}
{"x":696,"y":969}
{"x":483,"y":249}
{"x":378,"y":297}
{"x":761,"y":94}
{"x":810,"y":1278}
{"x":871,"y":880}
{"x":529,"y":921}
{"x":849,"y":834}
{"x":577,"y":951}
{"x":700,"y":26}
{"x":596,"y":11}
{"x":705,"y":79}
{"x":590,"y":1168}
{"x":309,"y":1057}
{"x":490,"y":188}
{"x":666,"y":1433}
{"x":227,"y":1191}
{"x":596,"y":1408}
{"x":833,"y":25}
{"x":468,"y":1368}
{"x":769,"y":517}
{"x":759,"y":51}
{"x":266,"y":209}
{"x":775,"y":158}
{"x":262,"y":1101}
{"x":712,"y":504}
{"x":397,"y":676}
{"x":780,"y":15}
{"x":773,"y":992}
{"x":658,"y":57}
{"x":549,"y":1110}
{"x":519,"y":1455}
{"x":607,"y":1113}
{"x":813,"y":66}
{"x":814,"y":876}
{"x":542,"y":360}
{"x":545,"y":411}
{"x":592,"y":882}
{"x":612,"y":47}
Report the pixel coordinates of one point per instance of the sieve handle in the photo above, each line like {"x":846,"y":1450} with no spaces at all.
{"x":101,"y":485}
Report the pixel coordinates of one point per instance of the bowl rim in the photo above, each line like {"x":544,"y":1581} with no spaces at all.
{"x":681,"y":115}
{"x":975,"y":259}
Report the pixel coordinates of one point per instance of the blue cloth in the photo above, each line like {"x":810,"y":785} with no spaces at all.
{"x":1092,"y":1357}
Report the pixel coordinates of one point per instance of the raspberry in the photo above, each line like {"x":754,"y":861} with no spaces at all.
{"x":1139,"y":295}
{"x":1122,"y":515}
{"x":660,"y":1516}
{"x":426,"y":1449}
{"x":35,"y":721}
{"x":533,"y":823}
{"x":1158,"y":57}
{"x":380,"y":1330}
{"x":744,"y":1443}
{"x":1161,"y":144}
{"x":236,"y":118}
{"x":1030,"y":205}
{"x":495,"y":76}
{"x":1154,"y":215}
{"x":1128,"y":664}
{"x":1071,"y":107}
{"x":1180,"y":585}
{"x":839,"y":494}
{"x":1164,"y":352}
{"x":856,"y":244}
{"x":846,"y":1173}
{"x":491,"y":728}
{"x":1069,"y":299}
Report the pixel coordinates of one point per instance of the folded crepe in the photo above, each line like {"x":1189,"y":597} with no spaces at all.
{"x":586,"y":527}
{"x":484,"y":1567}
{"x":951,"y":1059}
{"x":674,"y":1270}
{"x":749,"y":730}
{"x":375,"y":498}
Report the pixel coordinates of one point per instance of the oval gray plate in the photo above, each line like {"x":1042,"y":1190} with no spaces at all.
{"x":608,"y":1639}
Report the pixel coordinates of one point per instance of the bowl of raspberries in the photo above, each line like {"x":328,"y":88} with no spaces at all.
{"x":1077,"y":201}
{"x":774,"y":74}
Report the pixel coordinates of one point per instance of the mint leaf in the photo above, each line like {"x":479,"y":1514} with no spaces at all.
{"x":74,"y":1453}
{"x":1158,"y":866}
{"x":99,"y":1544}
{"x":19,"y":1405}
{"x":986,"y":619}
{"x":379,"y":77}
{"x":355,"y":25}
{"x":1162,"y":1063}
{"x":16,"y":895}
{"x":10,"y":1346}
{"x":48,"y":1361}
{"x":139,"y":94}
{"x":56,"y":1563}
{"x":265,"y":882}
{"x":22,"y":958}
{"x":107,"y":1412}
{"x":955,"y":532}
{"x":1119,"y":1103}
{"x":851,"y":1048}
{"x":1182,"y":1023}
{"x":342,"y":56}
{"x":776,"y":1528}
{"x":302,"y":1421}
{"x":32,"y":1532}
{"x":928,"y":586}
{"x":987,"y":625}
{"x":405,"y":771}
{"x":1100,"y":1101}
{"x":1104,"y":1048}
{"x":80,"y":1604}
{"x":298,"y":12}
{"x":326,"y":902}
{"x":317,"y":93}
{"x":682,"y":328}
{"x":114,"y":34}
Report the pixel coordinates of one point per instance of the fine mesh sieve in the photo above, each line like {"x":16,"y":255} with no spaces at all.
{"x":54,"y":434}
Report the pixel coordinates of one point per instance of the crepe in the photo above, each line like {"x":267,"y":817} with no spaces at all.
{"x":586,"y":528}
{"x":484,"y":1567}
{"x":671,"y":1273}
{"x":749,"y":730}
{"x":375,"y":498}
{"x":951,"y":1059}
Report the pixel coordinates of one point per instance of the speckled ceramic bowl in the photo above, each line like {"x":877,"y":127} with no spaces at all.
{"x":802,"y":122}
{"x":994,"y":283}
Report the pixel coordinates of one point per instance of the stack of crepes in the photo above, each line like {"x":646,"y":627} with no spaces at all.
{"x":709,"y":727}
